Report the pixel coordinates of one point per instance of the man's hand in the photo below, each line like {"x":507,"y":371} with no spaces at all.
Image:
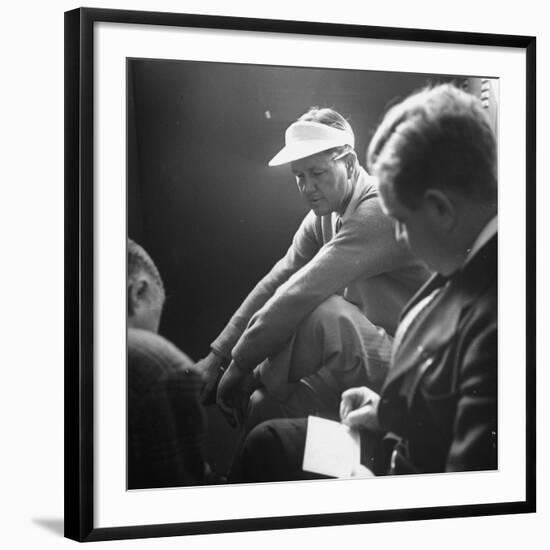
{"x":359,"y":409}
{"x":250,"y":383}
{"x":209,"y":369}
{"x":229,"y":395}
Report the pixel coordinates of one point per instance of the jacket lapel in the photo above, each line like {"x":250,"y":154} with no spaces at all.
{"x":434,"y":282}
{"x":438,"y":323}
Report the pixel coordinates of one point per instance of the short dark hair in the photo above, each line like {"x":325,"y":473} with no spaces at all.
{"x":440,"y":137}
{"x":330,"y":117}
{"x":138,"y":262}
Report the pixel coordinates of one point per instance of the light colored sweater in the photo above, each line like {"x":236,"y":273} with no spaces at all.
{"x":362,"y":262}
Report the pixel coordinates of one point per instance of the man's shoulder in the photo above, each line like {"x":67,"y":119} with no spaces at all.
{"x":365,"y":196}
{"x":479,"y":277}
{"x":367,"y":185}
{"x":140,"y":341}
{"x":152,"y":357}
{"x":366,"y":209}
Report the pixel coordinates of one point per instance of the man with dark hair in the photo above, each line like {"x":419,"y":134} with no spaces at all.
{"x":323,"y":318}
{"x":166,"y":423}
{"x":434,"y":156}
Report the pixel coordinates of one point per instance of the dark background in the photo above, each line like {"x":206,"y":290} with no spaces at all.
{"x":201,"y":198}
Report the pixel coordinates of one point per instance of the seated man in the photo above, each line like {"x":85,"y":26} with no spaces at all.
{"x":435,"y":158}
{"x":323,"y":318}
{"x":166,"y":423}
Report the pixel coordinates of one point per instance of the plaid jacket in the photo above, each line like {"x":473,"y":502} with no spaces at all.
{"x":166,"y":423}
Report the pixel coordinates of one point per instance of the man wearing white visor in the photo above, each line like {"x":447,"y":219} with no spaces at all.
{"x":322,"y":320}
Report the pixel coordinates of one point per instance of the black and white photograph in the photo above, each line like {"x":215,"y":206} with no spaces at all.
{"x":312,"y":273}
{"x":274,"y":275}
{"x":299,"y":274}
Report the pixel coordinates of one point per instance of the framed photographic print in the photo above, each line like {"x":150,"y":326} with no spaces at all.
{"x":197,"y":271}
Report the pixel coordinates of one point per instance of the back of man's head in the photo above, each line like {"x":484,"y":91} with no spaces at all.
{"x":439,"y":138}
{"x":145,"y":289}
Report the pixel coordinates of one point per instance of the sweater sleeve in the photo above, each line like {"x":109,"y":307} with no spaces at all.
{"x":365,"y":247}
{"x":305,"y":245}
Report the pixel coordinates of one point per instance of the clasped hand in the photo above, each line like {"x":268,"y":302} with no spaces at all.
{"x":209,"y":369}
{"x":359,"y":409}
{"x":234,"y":390}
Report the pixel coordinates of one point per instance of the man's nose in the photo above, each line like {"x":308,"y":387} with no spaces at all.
{"x":308,"y":185}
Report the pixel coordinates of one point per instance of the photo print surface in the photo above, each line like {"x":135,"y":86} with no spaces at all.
{"x":271,"y":269}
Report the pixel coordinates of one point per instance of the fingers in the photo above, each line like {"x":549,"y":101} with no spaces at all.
{"x":353,"y":392}
{"x":343,"y":410}
{"x":346,"y":406}
{"x":210,"y":386}
{"x":358,"y":418}
{"x":228,"y":413}
{"x":351,"y":399}
{"x":242,"y":409}
{"x":236,"y":413}
{"x":225,"y":399}
{"x":206,"y":390}
{"x":233,"y":395}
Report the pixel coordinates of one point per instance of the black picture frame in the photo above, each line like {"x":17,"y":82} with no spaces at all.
{"x":79,"y":270}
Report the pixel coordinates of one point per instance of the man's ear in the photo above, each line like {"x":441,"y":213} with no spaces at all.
{"x":137,"y":294}
{"x":351,"y":161}
{"x":440,"y":209}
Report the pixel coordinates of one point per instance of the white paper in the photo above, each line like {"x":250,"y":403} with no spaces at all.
{"x":332,"y":449}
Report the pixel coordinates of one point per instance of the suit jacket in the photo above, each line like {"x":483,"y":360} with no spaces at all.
{"x":439,"y":400}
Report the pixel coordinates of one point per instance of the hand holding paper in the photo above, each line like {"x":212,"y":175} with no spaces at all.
{"x":332,"y":449}
{"x":359,"y":408}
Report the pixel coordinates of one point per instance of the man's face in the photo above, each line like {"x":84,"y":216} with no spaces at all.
{"x":413,"y":227}
{"x":323,"y":182}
